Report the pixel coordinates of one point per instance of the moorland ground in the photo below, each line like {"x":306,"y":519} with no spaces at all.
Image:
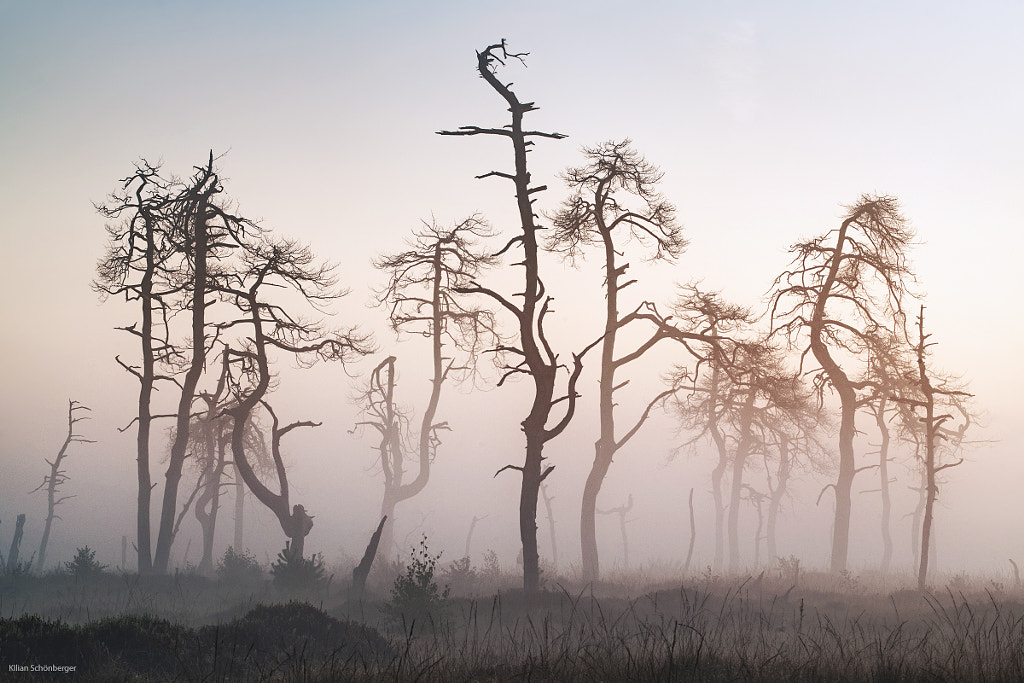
{"x":778,"y":625}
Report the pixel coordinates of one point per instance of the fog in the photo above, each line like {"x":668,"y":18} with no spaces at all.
{"x":764,"y":121}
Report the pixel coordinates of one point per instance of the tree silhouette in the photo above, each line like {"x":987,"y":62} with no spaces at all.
{"x":269,"y":263}
{"x":841,"y":288}
{"x":421,"y":299}
{"x":57,"y":477}
{"x":140,"y":263}
{"x":206,"y":233}
{"x":935,"y":395}
{"x":614,"y":201}
{"x":531,"y":352}
{"x":709,"y":314}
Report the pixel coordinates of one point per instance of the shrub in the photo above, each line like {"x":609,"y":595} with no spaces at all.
{"x":84,"y":564}
{"x":268,"y":634}
{"x":238,"y":567}
{"x":416,"y":593}
{"x":292,"y":573}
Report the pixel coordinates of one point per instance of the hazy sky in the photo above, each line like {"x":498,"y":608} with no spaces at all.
{"x":765,"y":117}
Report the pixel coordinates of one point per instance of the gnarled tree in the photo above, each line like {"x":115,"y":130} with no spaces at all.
{"x":709,"y":314}
{"x":531,"y":353}
{"x":841,"y":288}
{"x":615,"y":202}
{"x":272,"y":264}
{"x":421,"y":298}
{"x":140,"y":264}
{"x":57,"y":477}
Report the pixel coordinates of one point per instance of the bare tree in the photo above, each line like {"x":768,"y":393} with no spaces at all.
{"x":614,"y":201}
{"x":840,"y":290}
{"x":421,"y":298}
{"x":208,"y":443}
{"x":752,"y":398}
{"x":271,"y":263}
{"x":206,"y":233}
{"x":933,"y":392}
{"x":166,"y":256}
{"x":794,"y":437}
{"x":708,"y":314}
{"x":532,"y":354}
{"x":888,"y":371}
{"x":57,"y":477}
{"x":139,"y":263}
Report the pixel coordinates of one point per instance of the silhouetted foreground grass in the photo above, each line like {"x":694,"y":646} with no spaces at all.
{"x":747,"y":632}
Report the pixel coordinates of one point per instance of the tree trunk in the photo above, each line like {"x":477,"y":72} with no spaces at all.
{"x":239,"y":545}
{"x":588,"y":512}
{"x":188,"y":390}
{"x":300,"y":526}
{"x":146,"y":380}
{"x":211,"y":497}
{"x":738,"y":463}
{"x":777,"y":494}
{"x":12,"y":556}
{"x":883,"y":474}
{"x":51,"y":502}
{"x":528,"y":498}
{"x":844,"y":484}
{"x":693,"y":537}
{"x":387,"y":513}
{"x":551,"y":525}
{"x":362,"y":570}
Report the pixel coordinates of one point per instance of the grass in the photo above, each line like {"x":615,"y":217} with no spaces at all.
{"x":705,"y":628}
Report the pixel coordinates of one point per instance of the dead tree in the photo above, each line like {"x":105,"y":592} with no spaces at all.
{"x":206,"y":233}
{"x":362,"y":570}
{"x":271,"y":263}
{"x":615,"y":202}
{"x":166,"y":256}
{"x":794,"y":437}
{"x":531,"y":354}
{"x":57,"y":477}
{"x":708,"y":314}
{"x":840,"y":289}
{"x":693,"y":535}
{"x":139,"y":264}
{"x":888,"y":370}
{"x":14,"y":565}
{"x":421,"y":299}
{"x":933,"y":391}
{"x":469,"y":534}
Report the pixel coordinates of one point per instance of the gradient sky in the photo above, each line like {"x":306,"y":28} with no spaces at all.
{"x":765,"y":117}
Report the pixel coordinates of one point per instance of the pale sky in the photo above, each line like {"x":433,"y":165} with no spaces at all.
{"x":765,"y":117}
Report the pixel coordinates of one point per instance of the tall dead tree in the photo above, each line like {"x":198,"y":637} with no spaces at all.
{"x":166,"y":256}
{"x":935,"y":394}
{"x":206,"y":233}
{"x":57,"y":477}
{"x":421,"y":299}
{"x":531,"y":353}
{"x":139,"y":265}
{"x":614,"y":202}
{"x":841,"y":288}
